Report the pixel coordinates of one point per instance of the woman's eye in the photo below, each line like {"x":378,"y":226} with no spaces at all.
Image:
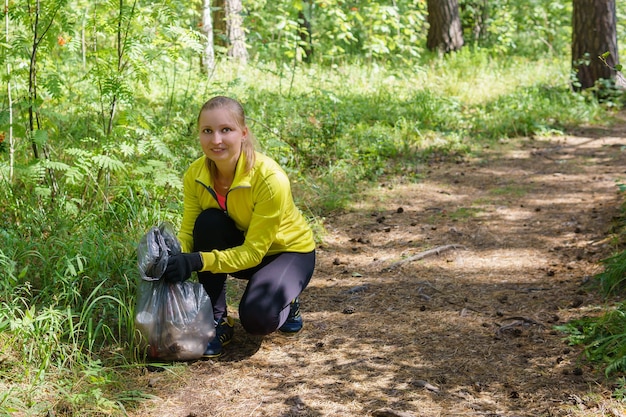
{"x":226,"y":129}
{"x":206,"y":131}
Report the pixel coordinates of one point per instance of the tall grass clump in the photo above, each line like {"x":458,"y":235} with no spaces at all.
{"x":604,"y":336}
{"x":67,"y":303}
{"x":612,"y":279}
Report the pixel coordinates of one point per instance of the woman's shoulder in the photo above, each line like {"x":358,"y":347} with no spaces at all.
{"x":198,"y":163}
{"x":266,"y":163}
{"x":196,"y":166}
{"x":267,"y":169}
{"x":197,"y":169}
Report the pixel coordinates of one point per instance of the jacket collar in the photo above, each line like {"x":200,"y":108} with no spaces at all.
{"x":241,"y":179}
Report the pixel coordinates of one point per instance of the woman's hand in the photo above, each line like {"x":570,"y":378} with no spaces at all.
{"x":180,"y":267}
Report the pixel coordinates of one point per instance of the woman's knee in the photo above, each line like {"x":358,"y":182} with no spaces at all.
{"x":257,"y":322}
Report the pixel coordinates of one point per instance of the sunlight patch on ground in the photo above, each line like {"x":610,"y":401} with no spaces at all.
{"x":512,"y":215}
{"x":509,"y":258}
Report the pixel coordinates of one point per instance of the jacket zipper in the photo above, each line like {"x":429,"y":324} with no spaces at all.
{"x":214,"y":194}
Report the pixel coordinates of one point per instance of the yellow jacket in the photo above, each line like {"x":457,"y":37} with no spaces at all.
{"x":261,"y":205}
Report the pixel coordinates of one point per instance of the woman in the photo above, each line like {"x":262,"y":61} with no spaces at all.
{"x":239,"y":218}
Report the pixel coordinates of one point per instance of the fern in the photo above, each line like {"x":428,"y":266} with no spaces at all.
{"x":54,"y":85}
{"x":108,"y":163}
{"x":613,"y":278}
{"x":37,"y":171}
{"x":604,"y":338}
{"x":160,"y":174}
{"x":618,"y":364}
{"x":185,"y":38}
{"x":610,"y":350}
{"x":55,"y":165}
{"x":81,"y":153}
{"x":74,"y":175}
{"x":159,"y":147}
{"x":127,"y":149}
{"x":40,"y":137}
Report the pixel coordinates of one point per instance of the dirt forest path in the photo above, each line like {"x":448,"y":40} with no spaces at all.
{"x":465,"y":331}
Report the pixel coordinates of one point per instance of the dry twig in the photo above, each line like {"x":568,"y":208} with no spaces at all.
{"x":434,"y":251}
{"x":388,"y":412}
{"x":519,"y":321}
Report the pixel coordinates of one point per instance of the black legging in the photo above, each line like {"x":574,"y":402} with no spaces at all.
{"x":272,"y":284}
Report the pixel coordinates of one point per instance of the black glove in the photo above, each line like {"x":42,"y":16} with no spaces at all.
{"x":180,"y":267}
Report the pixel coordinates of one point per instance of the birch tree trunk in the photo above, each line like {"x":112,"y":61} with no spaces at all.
{"x":207,"y":28}
{"x":9,"y":96}
{"x":234,"y":29}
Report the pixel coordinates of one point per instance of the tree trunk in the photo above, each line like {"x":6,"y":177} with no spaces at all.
{"x":234,"y":29}
{"x":208,"y":59}
{"x":9,"y":102}
{"x":305,"y":16}
{"x":593,"y":34}
{"x":444,"y":33}
{"x":479,"y":18}
{"x":218,"y":13}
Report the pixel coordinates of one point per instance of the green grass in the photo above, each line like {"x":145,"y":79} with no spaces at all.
{"x":464,"y":213}
{"x":509,"y":190}
{"x":604,"y":336}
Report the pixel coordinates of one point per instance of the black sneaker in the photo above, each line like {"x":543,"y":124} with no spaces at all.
{"x":294,"y":321}
{"x":224,"y":331}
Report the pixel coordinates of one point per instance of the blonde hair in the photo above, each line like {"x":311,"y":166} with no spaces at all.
{"x":236,"y":110}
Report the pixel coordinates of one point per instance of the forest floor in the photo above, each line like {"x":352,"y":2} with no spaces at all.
{"x":515,"y":232}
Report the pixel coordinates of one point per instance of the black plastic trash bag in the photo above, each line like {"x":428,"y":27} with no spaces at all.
{"x":174,"y":320}
{"x":154,"y":249}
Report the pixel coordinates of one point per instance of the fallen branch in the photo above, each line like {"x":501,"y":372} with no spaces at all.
{"x":424,"y":384}
{"x":388,"y":412}
{"x":431,"y":252}
{"x":524,"y":319}
{"x":519,"y":321}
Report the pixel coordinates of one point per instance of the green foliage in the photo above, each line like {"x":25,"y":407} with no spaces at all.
{"x":620,"y":392}
{"x":541,"y":26}
{"x":368,"y":30}
{"x":519,"y":115}
{"x":360,"y":29}
{"x":65,"y":302}
{"x":604,"y":338}
{"x":612,"y":279}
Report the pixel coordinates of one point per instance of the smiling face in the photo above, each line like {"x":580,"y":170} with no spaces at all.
{"x":221,"y":137}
